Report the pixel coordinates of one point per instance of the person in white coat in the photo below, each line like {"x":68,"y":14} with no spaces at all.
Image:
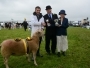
{"x":36,"y":21}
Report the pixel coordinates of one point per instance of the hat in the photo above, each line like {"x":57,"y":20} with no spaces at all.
{"x":48,"y":7}
{"x":24,"y":18}
{"x":62,"y":12}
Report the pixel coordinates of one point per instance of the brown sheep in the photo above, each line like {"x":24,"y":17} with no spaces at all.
{"x":23,"y":47}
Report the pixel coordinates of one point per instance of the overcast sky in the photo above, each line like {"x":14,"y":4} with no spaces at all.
{"x":20,"y":9}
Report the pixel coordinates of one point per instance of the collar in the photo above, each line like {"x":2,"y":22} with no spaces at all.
{"x":50,"y":14}
{"x":25,"y":45}
{"x":34,"y":13}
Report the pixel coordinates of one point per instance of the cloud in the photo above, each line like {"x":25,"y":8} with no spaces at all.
{"x":20,"y":9}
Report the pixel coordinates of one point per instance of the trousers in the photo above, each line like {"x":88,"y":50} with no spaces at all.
{"x":50,"y":40}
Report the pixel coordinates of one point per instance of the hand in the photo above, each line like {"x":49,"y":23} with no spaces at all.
{"x":43,"y":24}
{"x":42,"y":29}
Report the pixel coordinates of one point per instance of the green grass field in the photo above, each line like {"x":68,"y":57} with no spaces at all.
{"x":78,"y":54}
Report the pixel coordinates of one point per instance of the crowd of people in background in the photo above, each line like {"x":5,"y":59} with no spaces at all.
{"x":10,"y":25}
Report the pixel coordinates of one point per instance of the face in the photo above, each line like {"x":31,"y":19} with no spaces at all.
{"x":62,"y":15}
{"x":37,"y":10}
{"x":49,"y":11}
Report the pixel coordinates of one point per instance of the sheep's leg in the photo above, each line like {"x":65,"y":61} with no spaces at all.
{"x":28,"y":57}
{"x":34,"y":57}
{"x":31,"y":56}
{"x":6,"y":62}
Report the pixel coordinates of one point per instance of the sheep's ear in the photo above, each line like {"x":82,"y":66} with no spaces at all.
{"x":28,"y":39}
{"x":17,"y":39}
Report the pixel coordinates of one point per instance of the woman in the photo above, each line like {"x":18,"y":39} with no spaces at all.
{"x":62,"y":43}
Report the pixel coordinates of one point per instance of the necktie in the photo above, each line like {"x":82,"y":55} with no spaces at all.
{"x":50,"y":16}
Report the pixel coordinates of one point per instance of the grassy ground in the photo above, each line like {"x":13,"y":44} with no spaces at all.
{"x":78,"y":54}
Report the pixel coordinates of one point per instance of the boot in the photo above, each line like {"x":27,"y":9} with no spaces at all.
{"x":58,"y":54}
{"x":63,"y":53}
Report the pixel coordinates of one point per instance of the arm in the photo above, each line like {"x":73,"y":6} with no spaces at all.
{"x":45,"y":24}
{"x":56,"y":24}
{"x":42,"y":23}
{"x":31,"y":20}
{"x":56,"y":16}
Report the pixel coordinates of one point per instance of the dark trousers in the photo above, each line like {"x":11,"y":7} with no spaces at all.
{"x":9,"y":27}
{"x":40,"y":39}
{"x":51,"y":39}
{"x":25,"y":28}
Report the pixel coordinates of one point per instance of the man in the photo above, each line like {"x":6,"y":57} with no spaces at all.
{"x":50,"y":33}
{"x":36,"y":24}
{"x":25,"y":24}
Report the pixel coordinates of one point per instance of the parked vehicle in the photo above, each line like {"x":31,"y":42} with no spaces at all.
{"x":76,"y":24}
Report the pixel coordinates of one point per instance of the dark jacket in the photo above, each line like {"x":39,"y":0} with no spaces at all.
{"x":50,"y":30}
{"x":25,"y":24}
{"x":62,"y":30}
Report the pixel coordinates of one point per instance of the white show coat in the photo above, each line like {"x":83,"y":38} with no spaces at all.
{"x":35,"y":24}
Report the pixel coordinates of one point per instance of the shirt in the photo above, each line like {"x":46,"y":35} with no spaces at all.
{"x":50,"y":15}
